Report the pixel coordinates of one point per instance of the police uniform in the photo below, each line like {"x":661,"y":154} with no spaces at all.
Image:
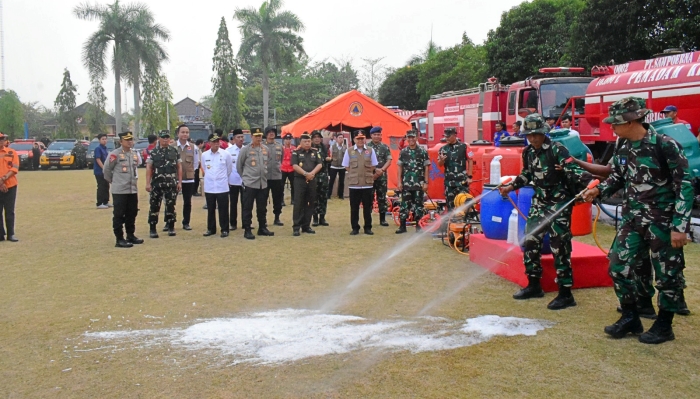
{"x":305,"y":191}
{"x":164,"y":165}
{"x":319,"y":217}
{"x":383,"y":154}
{"x":553,"y":189}
{"x":654,"y":174}
{"x":455,"y":166}
{"x":252,"y":165}
{"x":413,"y":162}
{"x":120,"y":172}
{"x":275,"y":184}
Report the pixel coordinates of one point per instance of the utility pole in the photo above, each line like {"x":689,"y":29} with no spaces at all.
{"x":167,"y":112}
{"x":2,"y":46}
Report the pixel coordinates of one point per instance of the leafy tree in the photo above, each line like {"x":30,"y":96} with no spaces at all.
{"x":337,"y":78}
{"x":130,"y":31}
{"x":673,"y":24}
{"x":11,"y":114}
{"x":95,"y":113}
{"x":37,"y":117}
{"x":157,"y":102}
{"x":373,"y":76}
{"x":65,"y":107}
{"x":226,"y":111}
{"x":270,"y":38}
{"x":401,"y":88}
{"x":531,"y":35}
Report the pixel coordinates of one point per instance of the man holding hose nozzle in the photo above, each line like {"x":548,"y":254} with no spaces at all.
{"x":548,"y":167}
{"x":653,"y":171}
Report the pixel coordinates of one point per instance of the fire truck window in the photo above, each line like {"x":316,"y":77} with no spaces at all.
{"x":511,"y":103}
{"x":528,"y":99}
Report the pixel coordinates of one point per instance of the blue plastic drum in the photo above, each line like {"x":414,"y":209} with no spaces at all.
{"x":495,"y":211}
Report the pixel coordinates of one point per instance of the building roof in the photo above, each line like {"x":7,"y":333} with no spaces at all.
{"x":80,"y":111}
{"x":188,"y":107}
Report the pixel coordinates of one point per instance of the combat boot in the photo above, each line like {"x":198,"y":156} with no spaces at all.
{"x":564,"y":300}
{"x":382,"y":219}
{"x":122,"y":243}
{"x":153,"y":232}
{"x":322,"y":220}
{"x":402,"y":227}
{"x":315,"y":220}
{"x":263,"y":231}
{"x":628,"y":323}
{"x":661,"y":331}
{"x":171,"y":229}
{"x":682,"y":306}
{"x":533,"y":289}
{"x":248,"y":234}
{"x":133,"y":239}
{"x":645,"y":308}
{"x":277,"y":221}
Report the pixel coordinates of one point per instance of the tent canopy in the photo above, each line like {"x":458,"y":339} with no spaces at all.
{"x":349,"y":111}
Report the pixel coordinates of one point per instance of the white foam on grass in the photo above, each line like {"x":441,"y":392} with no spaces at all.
{"x":289,"y":335}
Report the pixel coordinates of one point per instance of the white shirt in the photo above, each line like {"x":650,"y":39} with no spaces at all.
{"x":234,"y":179}
{"x":217,"y":167}
{"x":196,"y":157}
{"x":373,"y":159}
{"x":574,"y":133}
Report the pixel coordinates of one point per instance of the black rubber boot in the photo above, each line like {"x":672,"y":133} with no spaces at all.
{"x":533,"y":289}
{"x":315,"y":220}
{"x":645,"y":308}
{"x":629,"y":323}
{"x":277,"y":221}
{"x":382,"y":220}
{"x":248,"y":234}
{"x":564,"y":300}
{"x":154,"y":232}
{"x":682,"y":306}
{"x":171,"y":229}
{"x":322,"y":220}
{"x":402,"y":227}
{"x":661,"y":331}
{"x":263,"y":231}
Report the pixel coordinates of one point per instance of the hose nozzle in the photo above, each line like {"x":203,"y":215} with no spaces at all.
{"x":592,"y":184}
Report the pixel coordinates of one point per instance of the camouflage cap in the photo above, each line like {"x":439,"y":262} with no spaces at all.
{"x":411,"y":133}
{"x":534,"y":123}
{"x":316,"y":133}
{"x":625,"y":110}
{"x":450,"y":131}
{"x":164,"y":134}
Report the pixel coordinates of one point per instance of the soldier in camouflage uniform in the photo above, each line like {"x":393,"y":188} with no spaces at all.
{"x":79,"y":153}
{"x":653,"y":171}
{"x":548,"y":167}
{"x":163,"y":181}
{"x":380,"y":180}
{"x":319,"y":217}
{"x":413,"y":165}
{"x":455,"y":157}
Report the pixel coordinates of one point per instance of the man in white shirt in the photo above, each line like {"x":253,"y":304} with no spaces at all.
{"x":235,"y":182}
{"x":360,"y":162}
{"x":217,"y":167}
{"x":566,"y":124}
{"x":189,"y":155}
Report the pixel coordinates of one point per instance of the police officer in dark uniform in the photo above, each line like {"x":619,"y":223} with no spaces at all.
{"x":163,"y":181}
{"x":306,"y":162}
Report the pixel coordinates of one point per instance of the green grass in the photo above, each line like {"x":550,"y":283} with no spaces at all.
{"x":65,"y":271}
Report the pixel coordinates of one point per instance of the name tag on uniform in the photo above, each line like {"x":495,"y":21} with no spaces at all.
{"x":623,"y":161}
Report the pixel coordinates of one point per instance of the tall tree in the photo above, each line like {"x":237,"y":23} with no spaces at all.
{"x":400,"y":88}
{"x":11,"y":114}
{"x":65,"y":107}
{"x":531,"y":35}
{"x":373,"y":76}
{"x":157,"y":102}
{"x":131,"y":32}
{"x":270,"y":37}
{"x":95,"y":113}
{"x":37,"y":117}
{"x":226,"y":111}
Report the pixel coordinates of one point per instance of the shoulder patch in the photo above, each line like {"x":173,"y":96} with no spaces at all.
{"x":112,"y":157}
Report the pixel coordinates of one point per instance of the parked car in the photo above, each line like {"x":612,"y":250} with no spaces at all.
{"x":91,"y":150}
{"x":24,"y":151}
{"x":60,"y":154}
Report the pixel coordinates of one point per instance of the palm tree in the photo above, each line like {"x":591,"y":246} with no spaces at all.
{"x":129,"y":29}
{"x":269,"y":37}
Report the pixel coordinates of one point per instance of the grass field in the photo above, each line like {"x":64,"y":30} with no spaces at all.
{"x":64,"y":278}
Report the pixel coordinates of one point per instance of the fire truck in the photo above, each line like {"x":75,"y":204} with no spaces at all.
{"x":667,"y":80}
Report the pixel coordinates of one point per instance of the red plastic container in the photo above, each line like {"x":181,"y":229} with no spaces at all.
{"x":436,"y":175}
{"x":479,"y":150}
{"x":582,"y":219}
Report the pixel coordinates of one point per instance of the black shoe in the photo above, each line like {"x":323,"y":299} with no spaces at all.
{"x":296,"y":233}
{"x":265,"y":232}
{"x":165,"y":228}
{"x":224,"y":234}
{"x":308,"y":230}
{"x":277,"y":222}
{"x":196,"y":195}
{"x":13,"y":238}
{"x":134,"y":240}
{"x":248,"y":234}
{"x":661,"y":331}
{"x":628,"y":323}
{"x":533,"y":290}
{"x":402,"y":227}
{"x":354,"y":232}
{"x":122,"y":243}
{"x":645,"y":308}
{"x":233,"y":227}
{"x":563,"y":300}
{"x":153,"y":233}
{"x":383,"y":222}
{"x":186,"y":227}
{"x":171,"y":230}
{"x":682,"y":306}
{"x":315,"y":220}
{"x":322,"y":220}
{"x":369,"y":232}
{"x":209,"y":233}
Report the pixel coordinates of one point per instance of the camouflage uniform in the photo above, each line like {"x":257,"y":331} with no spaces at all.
{"x":553,"y":189}
{"x":164,"y":161}
{"x":79,"y":153}
{"x":456,"y":179}
{"x":413,"y":163}
{"x":380,"y":184}
{"x":658,"y":200}
{"x":321,"y":182}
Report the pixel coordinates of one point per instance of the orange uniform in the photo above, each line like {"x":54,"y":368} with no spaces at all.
{"x":9,"y":162}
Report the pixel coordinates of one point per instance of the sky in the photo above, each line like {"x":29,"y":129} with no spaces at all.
{"x":42,"y":37}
